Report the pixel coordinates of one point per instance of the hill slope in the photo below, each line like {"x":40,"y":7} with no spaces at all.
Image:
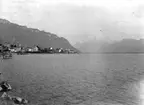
{"x":10,"y":32}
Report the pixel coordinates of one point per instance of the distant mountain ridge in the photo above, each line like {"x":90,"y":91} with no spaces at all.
{"x":11,"y":32}
{"x":126,"y":46}
{"x":122,"y":46}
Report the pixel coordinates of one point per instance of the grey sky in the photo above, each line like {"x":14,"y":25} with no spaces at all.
{"x":79,"y":20}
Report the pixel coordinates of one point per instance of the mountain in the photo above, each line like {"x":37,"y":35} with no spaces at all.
{"x":126,"y":46}
{"x":122,"y":46}
{"x":11,"y":32}
{"x":90,"y":46}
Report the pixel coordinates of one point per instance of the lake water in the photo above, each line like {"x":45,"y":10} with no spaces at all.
{"x":75,"y":79}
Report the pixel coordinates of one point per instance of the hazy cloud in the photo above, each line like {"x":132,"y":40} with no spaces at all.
{"x":139,"y":12}
{"x":79,"y":19}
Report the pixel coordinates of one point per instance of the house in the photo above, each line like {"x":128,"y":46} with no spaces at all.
{"x":50,"y":50}
{"x":29,"y":49}
{"x":7,"y":45}
{"x":70,"y":51}
{"x":32,"y":49}
{"x":14,"y":50}
{"x":59,"y":50}
{"x":35,"y":49}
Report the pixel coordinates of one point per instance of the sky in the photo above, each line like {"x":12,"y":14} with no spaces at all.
{"x":79,"y":20}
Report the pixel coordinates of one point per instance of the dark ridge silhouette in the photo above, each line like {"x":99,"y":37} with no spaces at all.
{"x":11,"y":32}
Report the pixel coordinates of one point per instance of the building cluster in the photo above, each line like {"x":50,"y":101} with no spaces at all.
{"x":19,"y":49}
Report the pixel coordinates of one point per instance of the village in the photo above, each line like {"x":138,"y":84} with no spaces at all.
{"x":20,"y":50}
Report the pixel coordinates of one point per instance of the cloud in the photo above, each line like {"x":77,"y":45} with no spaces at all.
{"x":77,"y":20}
{"x":139,"y":13}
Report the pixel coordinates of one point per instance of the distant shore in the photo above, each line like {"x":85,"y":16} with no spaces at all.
{"x":112,"y":53}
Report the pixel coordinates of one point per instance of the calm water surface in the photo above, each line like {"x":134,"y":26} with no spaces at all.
{"x":37,"y":73}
